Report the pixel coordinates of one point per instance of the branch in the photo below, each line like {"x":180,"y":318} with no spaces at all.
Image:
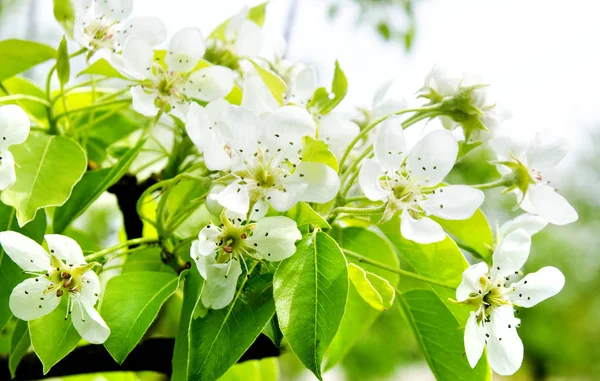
{"x":150,"y":355}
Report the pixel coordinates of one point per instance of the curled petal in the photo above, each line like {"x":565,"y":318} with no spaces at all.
{"x":368,"y":179}
{"x":235,"y":196}
{"x":302,"y":86}
{"x":90,"y":289}
{"x":207,"y":240}
{"x":470,"y":281}
{"x":143,"y":102}
{"x":137,"y":58}
{"x":537,"y":287}
{"x":283,"y":201}
{"x":531,"y":223}
{"x":546,"y":151}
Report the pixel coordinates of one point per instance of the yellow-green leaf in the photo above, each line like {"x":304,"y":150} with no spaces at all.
{"x":374,"y":290}
{"x":274,"y":83}
{"x":317,"y":151}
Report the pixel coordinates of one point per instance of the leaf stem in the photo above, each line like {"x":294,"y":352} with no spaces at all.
{"x":131,"y":242}
{"x":359,"y":211}
{"x":24,"y":97}
{"x":395,"y":270}
{"x":494,"y":184}
{"x":91,"y":107}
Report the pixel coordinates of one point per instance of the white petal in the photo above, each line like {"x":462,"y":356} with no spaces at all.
{"x":274,"y":238}
{"x":185,"y":49}
{"x":338,"y":131}
{"x":510,"y":255}
{"x":259,"y":210}
{"x":24,"y":251}
{"x":283,"y":201}
{"x":389,"y":145}
{"x":235,"y":197}
{"x":551,"y":206}
{"x":257,"y":97}
{"x":137,"y":58}
{"x":474,"y":340}
{"x":65,"y":248}
{"x":14,"y":126}
{"x":323,"y":182}
{"x":532,"y":224}
{"x":7,"y":170}
{"x":201,"y":260}
{"x":453,"y":202}
{"x":143,"y":102}
{"x":368,"y":179}
{"x":302,"y":86}
{"x":90,"y":289}
{"x":546,"y":151}
{"x":235,"y":22}
{"x":150,"y":29}
{"x":30,"y":299}
{"x":210,"y":83}
{"x":207,"y":240}
{"x":284,"y":129}
{"x":241,"y":129}
{"x":114,"y":9}
{"x":249,"y":39}
{"x":424,"y":230}
{"x":216,"y":157}
{"x":197,"y":126}
{"x":89,"y":324}
{"x":432,"y":158}
{"x":504,"y":347}
{"x":220,"y":285}
{"x":470,"y":281}
{"x":537,"y":287}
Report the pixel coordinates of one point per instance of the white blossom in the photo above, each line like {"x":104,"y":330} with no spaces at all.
{"x":387,"y":101}
{"x":14,"y":129}
{"x":529,"y":169}
{"x":495,"y":295}
{"x":220,"y":251}
{"x":105,"y":24}
{"x":62,"y":273}
{"x":409,"y":181}
{"x":169,"y":88}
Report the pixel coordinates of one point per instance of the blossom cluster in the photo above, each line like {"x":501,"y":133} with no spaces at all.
{"x":259,"y":151}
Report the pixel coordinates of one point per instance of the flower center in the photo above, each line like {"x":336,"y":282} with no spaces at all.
{"x":101,"y":33}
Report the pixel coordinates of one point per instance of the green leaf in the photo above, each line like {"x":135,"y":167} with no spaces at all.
{"x":48,"y":167}
{"x":317,"y":151}
{"x":102,"y":67}
{"x":374,"y":290}
{"x":256,"y":14}
{"x":359,"y":316}
{"x":19,"y":344}
{"x":444,"y":262}
{"x":63,"y":67}
{"x":257,"y":370}
{"x":273,"y":332}
{"x":440,"y":337}
{"x":324,"y":101}
{"x":65,"y":15}
{"x":17,"y":56}
{"x":220,"y":338}
{"x":103,"y":134}
{"x":310,"y":290}
{"x":146,"y":260}
{"x":18,"y":85}
{"x":274,"y":83}
{"x":304,"y":215}
{"x":11,"y":274}
{"x":53,"y":337}
{"x":143,"y":293}
{"x":91,"y":186}
{"x":474,"y":233}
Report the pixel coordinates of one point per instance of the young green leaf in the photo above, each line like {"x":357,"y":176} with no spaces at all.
{"x":257,"y":370}
{"x":10,"y":273}
{"x":102,"y":67}
{"x":317,"y":151}
{"x":310,"y":290}
{"x":304,"y":215}
{"x":65,"y":15}
{"x":17,"y":56}
{"x":324,"y":101}
{"x":91,"y":186}
{"x":18,"y":85}
{"x":474,"y":233}
{"x":218,"y":339}
{"x":143,"y":293}
{"x":63,"y":66}
{"x":274,"y":83}
{"x":19,"y":344}
{"x":255,"y":14}
{"x":374,"y":290}
{"x":53,"y":337}
{"x":40,"y":159}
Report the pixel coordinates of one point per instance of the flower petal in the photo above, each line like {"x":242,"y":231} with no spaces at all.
{"x":283,"y":201}
{"x":241,"y":129}
{"x":257,"y":97}
{"x":453,"y":202}
{"x":89,"y":324}
{"x":474,"y":340}
{"x":510,"y":255}
{"x":546,"y":151}
{"x":284,"y":129}
{"x":551,"y":206}
{"x":302,"y":86}
{"x":201,"y":260}
{"x":65,"y":248}
{"x":504,"y":347}
{"x":185,"y":49}
{"x":274,"y":238}
{"x":249,"y":40}
{"x":323,"y":182}
{"x":537,"y":287}
{"x":7,"y":170}
{"x":210,"y":83}
{"x":432,"y":158}
{"x":207,"y":240}
{"x":470,"y":281}
{"x":143,"y":102}
{"x":198,"y":126}
{"x":14,"y":126}
{"x":220,"y":285}
{"x":424,"y":230}
{"x":31,"y":300}
{"x":90,"y":289}
{"x":24,"y":251}
{"x":235,"y":196}
{"x":150,"y":29}
{"x":137,"y":58}
{"x":368,"y":179}
{"x":389,"y":146}
{"x":113,"y":9}
{"x":338,"y":131}
{"x":531,"y":223}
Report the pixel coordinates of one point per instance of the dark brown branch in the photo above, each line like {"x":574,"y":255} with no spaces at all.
{"x":150,"y":355}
